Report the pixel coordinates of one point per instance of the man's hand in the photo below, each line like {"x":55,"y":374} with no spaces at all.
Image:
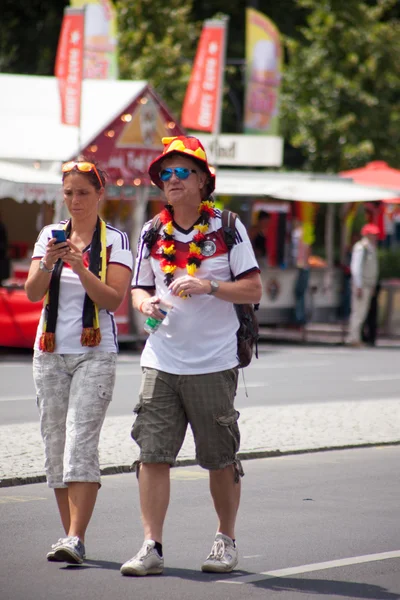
{"x":190,"y":286}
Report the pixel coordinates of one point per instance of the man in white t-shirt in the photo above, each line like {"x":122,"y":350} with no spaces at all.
{"x":190,"y":364}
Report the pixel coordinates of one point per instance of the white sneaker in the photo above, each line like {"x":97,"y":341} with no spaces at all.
{"x":51,"y":556}
{"x":223,"y":557}
{"x":146,"y":562}
{"x":70,"y":550}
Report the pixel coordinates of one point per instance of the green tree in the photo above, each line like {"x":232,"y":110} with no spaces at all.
{"x":29,"y":34}
{"x":156,"y":43}
{"x":341,"y":91}
{"x":284,"y":14}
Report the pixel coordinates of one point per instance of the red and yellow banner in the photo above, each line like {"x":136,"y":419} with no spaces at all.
{"x":306,"y":213}
{"x":201,"y":108}
{"x":69,"y":66}
{"x":100,"y":60}
{"x":264,"y":73}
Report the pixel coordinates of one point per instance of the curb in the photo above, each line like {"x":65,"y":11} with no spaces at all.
{"x":187,"y":462}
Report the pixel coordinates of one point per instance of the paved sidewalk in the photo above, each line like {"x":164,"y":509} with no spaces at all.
{"x":265,"y":431}
{"x":326,"y":334}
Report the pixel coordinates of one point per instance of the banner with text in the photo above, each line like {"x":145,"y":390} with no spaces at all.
{"x":264,"y":73}
{"x":201,"y":108}
{"x":100,"y":60}
{"x":69,"y":66}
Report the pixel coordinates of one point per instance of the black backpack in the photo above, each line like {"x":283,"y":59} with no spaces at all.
{"x":247,"y":334}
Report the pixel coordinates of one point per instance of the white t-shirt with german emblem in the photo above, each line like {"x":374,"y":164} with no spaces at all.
{"x":199,"y":334}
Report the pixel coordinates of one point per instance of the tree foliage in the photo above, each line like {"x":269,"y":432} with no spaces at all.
{"x":29,"y":34}
{"x":156,"y":40}
{"x":341,"y":99}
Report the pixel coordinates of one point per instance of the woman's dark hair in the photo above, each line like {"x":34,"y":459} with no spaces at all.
{"x":91,"y":175}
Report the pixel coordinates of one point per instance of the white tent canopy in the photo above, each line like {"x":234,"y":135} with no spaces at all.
{"x":28,"y":184}
{"x":302,"y":187}
{"x":33,"y":142}
{"x":30,"y":115}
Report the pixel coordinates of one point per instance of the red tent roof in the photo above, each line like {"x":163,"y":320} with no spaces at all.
{"x":377,"y":173}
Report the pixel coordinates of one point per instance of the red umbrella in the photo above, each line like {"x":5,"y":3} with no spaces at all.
{"x":376,"y":173}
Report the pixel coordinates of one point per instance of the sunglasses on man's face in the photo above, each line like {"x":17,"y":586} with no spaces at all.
{"x":83,"y":167}
{"x":180,"y":172}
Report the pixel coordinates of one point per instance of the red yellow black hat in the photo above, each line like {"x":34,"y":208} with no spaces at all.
{"x":187,"y":146}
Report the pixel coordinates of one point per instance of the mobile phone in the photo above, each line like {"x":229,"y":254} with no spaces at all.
{"x":59,"y":234}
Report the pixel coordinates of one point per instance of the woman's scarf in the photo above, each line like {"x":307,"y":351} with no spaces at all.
{"x":91,"y":335}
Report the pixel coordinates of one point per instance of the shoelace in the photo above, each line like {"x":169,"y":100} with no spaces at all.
{"x":66,"y":540}
{"x":73,"y":539}
{"x":144,"y":551}
{"x":60,"y":541}
{"x":218,"y":550}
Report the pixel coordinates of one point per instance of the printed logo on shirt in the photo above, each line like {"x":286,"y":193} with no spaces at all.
{"x":209,"y":248}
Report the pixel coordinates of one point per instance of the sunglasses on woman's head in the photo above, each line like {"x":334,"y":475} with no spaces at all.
{"x":83,"y":167}
{"x":180,"y":172}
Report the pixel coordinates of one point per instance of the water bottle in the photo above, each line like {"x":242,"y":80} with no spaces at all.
{"x":151,"y":324}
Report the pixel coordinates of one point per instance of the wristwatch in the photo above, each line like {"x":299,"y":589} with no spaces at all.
{"x":214,"y":287}
{"x":42,"y":267}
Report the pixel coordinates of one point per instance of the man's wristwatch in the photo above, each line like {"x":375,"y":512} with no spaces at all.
{"x":42,"y":267}
{"x":214,"y":287}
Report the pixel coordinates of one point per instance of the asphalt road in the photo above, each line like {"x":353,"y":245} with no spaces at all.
{"x":282,"y":375}
{"x":338,"y":508}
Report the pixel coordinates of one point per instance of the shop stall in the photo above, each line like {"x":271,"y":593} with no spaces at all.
{"x":291,"y":200}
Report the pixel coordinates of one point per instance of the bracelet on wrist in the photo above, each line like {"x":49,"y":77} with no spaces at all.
{"x":141,"y":304}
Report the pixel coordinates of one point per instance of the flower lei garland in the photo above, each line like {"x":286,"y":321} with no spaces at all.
{"x":168,"y":251}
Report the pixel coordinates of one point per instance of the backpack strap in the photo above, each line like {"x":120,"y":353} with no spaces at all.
{"x":228,"y":219}
{"x":151,"y":234}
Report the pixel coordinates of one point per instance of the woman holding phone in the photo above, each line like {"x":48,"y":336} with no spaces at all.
{"x":82,"y":268}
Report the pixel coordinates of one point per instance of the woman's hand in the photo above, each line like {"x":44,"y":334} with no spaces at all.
{"x":189,"y":286}
{"x":54,"y":251}
{"x":75,"y":258}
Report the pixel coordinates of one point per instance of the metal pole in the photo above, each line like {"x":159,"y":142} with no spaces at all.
{"x":83,"y":76}
{"x":329,"y":234}
{"x":217,"y":125}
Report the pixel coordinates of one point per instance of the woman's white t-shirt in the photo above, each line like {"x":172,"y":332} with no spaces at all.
{"x":72,"y":295}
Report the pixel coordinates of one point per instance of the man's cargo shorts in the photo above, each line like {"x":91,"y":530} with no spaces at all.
{"x":167,"y":403}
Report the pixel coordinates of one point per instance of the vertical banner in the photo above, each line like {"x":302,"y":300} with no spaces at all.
{"x":100,"y":43}
{"x":69,"y":66}
{"x":350,"y":214}
{"x":264,"y":73}
{"x":202,"y":104}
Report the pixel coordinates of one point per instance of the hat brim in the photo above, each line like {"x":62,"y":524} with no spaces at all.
{"x":155,"y":168}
